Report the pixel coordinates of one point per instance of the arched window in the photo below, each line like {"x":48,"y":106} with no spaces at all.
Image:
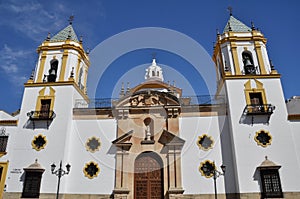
{"x":153,"y":73}
{"x":53,"y":70}
{"x":248,"y":63}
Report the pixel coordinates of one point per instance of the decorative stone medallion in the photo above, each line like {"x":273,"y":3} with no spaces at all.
{"x":91,"y":170}
{"x":207,"y":168}
{"x":39,"y":142}
{"x":205,"y":142}
{"x":93,"y":144}
{"x":263,"y":138}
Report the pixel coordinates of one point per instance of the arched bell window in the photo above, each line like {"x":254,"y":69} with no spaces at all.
{"x":53,"y":70}
{"x":248,"y":63}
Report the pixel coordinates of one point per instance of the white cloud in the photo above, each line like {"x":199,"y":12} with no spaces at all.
{"x":32,"y":18}
{"x":12,"y":61}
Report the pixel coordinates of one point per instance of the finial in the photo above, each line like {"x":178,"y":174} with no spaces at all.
{"x":230,"y":10}
{"x":218,"y":32}
{"x":32,"y":74}
{"x":88,"y":51}
{"x":122,"y":90}
{"x":229,"y":26}
{"x":252,"y":25}
{"x":3,"y":130}
{"x":271,"y":65}
{"x":72,"y":73}
{"x":48,"y":36}
{"x":69,"y":35}
{"x":80,"y":40}
{"x":71,"y":19}
{"x":128,"y":88}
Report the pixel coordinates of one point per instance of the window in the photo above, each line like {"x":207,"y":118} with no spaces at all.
{"x":3,"y":172}
{"x":248,"y":63}
{"x":205,"y":142}
{"x":271,"y":186}
{"x":3,"y":141}
{"x":256,"y":102}
{"x":53,"y":70}
{"x":32,"y":182}
{"x":39,"y":142}
{"x":91,"y":170}
{"x":45,"y":108}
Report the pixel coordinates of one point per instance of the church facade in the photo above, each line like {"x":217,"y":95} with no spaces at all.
{"x":152,"y":142}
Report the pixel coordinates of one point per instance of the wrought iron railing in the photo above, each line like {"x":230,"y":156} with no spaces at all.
{"x":184,"y":101}
{"x":41,"y":115}
{"x":258,"y":109}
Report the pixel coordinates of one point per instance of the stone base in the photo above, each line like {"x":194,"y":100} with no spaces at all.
{"x":287,"y":195}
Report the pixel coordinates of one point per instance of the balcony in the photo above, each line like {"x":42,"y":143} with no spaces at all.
{"x":262,"y":112}
{"x":38,"y":118}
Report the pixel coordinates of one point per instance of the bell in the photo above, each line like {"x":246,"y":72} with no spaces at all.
{"x":247,"y":62}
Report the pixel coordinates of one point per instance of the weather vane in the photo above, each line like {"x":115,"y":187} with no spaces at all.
{"x":230,"y":10}
{"x":71,"y":19}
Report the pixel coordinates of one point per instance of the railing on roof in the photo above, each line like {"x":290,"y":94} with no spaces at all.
{"x":184,"y":101}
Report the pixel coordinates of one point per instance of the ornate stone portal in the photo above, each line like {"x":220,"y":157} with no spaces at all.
{"x":148,"y":146}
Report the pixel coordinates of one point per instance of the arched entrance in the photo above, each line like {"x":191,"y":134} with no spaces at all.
{"x":148,"y":176}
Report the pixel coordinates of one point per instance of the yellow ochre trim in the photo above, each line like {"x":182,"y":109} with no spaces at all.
{"x":64,"y":83}
{"x":260,"y":58}
{"x":8,"y":122}
{"x":78,"y":68}
{"x":42,"y":96}
{"x":42,"y":66}
{"x":235,"y":58}
{"x":86,"y":166}
{"x":38,"y":148}
{"x":81,"y":51}
{"x":88,"y":147}
{"x":208,"y":137}
{"x":201,"y":171}
{"x":259,"y":89}
{"x":4,"y":165}
{"x":258,"y":142}
{"x":63,"y":65}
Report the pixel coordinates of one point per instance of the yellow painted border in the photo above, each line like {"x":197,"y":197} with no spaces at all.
{"x":4,"y":165}
{"x":34,"y":146}
{"x":259,"y":89}
{"x":88,"y":148}
{"x":86,"y":166}
{"x":42,"y":96}
{"x":209,"y":137}
{"x":42,"y":66}
{"x":258,"y":142}
{"x":201,"y":165}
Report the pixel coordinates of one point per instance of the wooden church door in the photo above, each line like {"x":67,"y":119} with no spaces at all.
{"x":148,"y":178}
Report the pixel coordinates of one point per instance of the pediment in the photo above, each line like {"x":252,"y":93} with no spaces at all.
{"x":169,"y":139}
{"x":124,"y":140}
{"x":148,"y":98}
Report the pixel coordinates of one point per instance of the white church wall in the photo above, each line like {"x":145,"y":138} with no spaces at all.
{"x":192,"y":156}
{"x":249,"y":155}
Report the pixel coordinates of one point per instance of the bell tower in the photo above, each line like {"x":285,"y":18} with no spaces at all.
{"x":255,"y":106}
{"x":62,"y":59}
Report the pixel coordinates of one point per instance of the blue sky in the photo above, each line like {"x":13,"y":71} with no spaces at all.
{"x":24,"y":24}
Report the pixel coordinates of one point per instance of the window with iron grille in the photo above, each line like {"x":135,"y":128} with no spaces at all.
{"x":271,"y":185}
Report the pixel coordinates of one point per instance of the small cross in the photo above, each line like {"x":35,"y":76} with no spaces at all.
{"x":153,"y":55}
{"x":71,"y":19}
{"x":230,"y":10}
